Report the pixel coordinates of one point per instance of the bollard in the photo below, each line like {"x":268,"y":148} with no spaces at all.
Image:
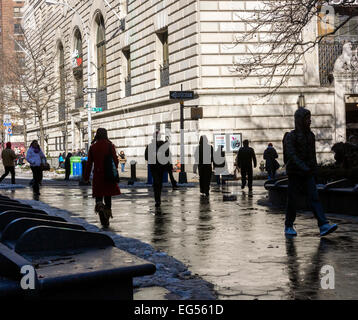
{"x":133,"y":172}
{"x":81,"y":182}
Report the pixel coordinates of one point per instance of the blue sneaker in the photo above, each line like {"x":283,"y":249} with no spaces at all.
{"x":290,"y":231}
{"x":327,"y":229}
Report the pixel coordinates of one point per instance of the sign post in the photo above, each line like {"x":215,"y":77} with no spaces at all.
{"x":181,"y":96}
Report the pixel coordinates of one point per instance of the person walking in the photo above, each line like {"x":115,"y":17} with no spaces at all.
{"x":270,"y":155}
{"x":36,"y":157}
{"x":102,"y":190}
{"x":244,"y":160}
{"x":301,"y":163}
{"x":169,"y":166}
{"x":122,"y":160}
{"x":68,"y":166}
{"x":220,"y":165}
{"x":60,"y":160}
{"x":204,"y":155}
{"x":156,"y":156}
{"x":8,"y":159}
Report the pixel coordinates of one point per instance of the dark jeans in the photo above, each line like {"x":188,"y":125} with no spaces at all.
{"x":157,"y":175}
{"x":271,"y":174}
{"x":67,"y":174}
{"x":170,"y":172}
{"x":7,"y":171}
{"x":308,"y":186}
{"x":37,"y":178}
{"x":205,"y":173}
{"x":220,"y":179}
{"x":246,"y":172}
{"x":107,"y":201}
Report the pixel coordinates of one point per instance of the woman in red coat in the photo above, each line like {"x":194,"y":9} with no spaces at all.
{"x":101,"y":189}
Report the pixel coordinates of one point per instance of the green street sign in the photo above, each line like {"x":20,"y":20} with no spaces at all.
{"x":97,"y":109}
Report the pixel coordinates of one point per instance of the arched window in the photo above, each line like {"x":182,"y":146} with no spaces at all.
{"x":101,"y":52}
{"x":61,"y":68}
{"x":78,"y":68}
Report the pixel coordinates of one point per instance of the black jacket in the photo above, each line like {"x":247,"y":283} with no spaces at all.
{"x":300,"y":147}
{"x":157,"y":154}
{"x":245,"y":157}
{"x":270,"y":155}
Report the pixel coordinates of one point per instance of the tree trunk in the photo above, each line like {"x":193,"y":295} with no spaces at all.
{"x":66,"y":133}
{"x":24,"y":127}
{"x":42,"y":136}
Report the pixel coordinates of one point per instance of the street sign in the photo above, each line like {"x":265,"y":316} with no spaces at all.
{"x":89,"y":90}
{"x":7,"y":124}
{"x":97,"y":109}
{"x":181,"y":95}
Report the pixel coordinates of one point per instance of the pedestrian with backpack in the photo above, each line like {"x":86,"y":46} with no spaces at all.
{"x":244,"y":160}
{"x":300,"y":158}
{"x":157,"y":156}
{"x":103,"y":189}
{"x":270,"y":155}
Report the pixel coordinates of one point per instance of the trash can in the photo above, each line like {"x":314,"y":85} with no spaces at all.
{"x":76,"y":166}
{"x":150,"y":177}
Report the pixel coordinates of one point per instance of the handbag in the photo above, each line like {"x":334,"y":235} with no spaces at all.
{"x":45,"y":166}
{"x":276,"y":165}
{"x":110,"y":170}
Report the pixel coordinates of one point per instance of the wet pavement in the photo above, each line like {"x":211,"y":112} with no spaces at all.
{"x":238,"y":246}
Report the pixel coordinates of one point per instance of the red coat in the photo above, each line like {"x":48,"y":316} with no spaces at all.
{"x":96,"y":155}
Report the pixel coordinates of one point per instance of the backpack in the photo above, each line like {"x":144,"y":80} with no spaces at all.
{"x":110,"y":170}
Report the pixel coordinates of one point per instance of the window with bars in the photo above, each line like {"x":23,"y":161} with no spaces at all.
{"x":127,"y":80}
{"x":101,"y":52}
{"x":17,"y":28}
{"x":330,"y":48}
{"x":164,"y":64}
{"x":61,"y":63}
{"x":78,"y":70}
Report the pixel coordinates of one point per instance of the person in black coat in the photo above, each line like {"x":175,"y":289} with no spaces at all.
{"x":157,"y":158}
{"x":169,"y":166}
{"x":270,"y":155}
{"x":203,"y":161}
{"x":301,"y":164}
{"x":68,"y":166}
{"x":244,"y":160}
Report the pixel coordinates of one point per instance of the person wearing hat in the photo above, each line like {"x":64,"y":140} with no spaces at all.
{"x":8,"y":159}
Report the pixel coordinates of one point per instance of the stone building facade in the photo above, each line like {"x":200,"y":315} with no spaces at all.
{"x":10,"y":38}
{"x":142,"y":50}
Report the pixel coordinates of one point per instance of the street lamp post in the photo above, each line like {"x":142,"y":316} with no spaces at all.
{"x":301,"y":102}
{"x":89,"y":95}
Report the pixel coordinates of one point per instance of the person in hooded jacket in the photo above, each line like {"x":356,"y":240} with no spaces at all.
{"x":301,"y":164}
{"x":102,"y":189}
{"x":8,"y":157}
{"x":157,"y":156}
{"x":36,"y":157}
{"x":204,"y":157}
{"x":68,"y":166}
{"x":244,"y":160}
{"x":270,"y":155}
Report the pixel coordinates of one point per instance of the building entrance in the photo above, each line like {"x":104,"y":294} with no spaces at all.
{"x":351,"y":115}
